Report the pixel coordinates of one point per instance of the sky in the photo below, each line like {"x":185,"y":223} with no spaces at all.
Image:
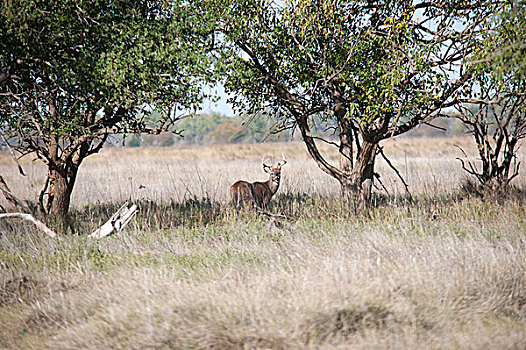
{"x":220,"y":106}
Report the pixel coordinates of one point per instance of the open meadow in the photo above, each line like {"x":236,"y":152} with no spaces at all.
{"x":444,"y":271}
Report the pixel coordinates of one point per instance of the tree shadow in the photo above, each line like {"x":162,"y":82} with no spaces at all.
{"x":150,"y":214}
{"x":195,"y":211}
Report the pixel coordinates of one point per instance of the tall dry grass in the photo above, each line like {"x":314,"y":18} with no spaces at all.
{"x":429,"y":166}
{"x":409,"y":283}
{"x":443,"y":272}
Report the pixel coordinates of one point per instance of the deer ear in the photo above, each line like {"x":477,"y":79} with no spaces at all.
{"x":266,"y":168}
{"x":283,"y":161}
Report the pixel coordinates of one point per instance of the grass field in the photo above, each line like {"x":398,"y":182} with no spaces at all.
{"x":446,"y":271}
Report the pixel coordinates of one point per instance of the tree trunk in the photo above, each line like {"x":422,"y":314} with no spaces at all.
{"x":345,"y":129}
{"x":59,"y":194}
{"x":357,"y":186}
{"x":346,"y":155}
{"x":59,"y":189}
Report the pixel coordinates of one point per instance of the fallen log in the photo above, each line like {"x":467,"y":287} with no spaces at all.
{"x":17,"y":204}
{"x":117,"y":221}
{"x":28,"y":217}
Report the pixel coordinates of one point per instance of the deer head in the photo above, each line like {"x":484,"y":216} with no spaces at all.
{"x":274,"y":172}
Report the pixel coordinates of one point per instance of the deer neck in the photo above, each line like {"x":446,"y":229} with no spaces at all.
{"x":273,"y":186}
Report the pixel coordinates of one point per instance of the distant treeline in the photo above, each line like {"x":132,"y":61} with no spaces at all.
{"x":216,"y":128}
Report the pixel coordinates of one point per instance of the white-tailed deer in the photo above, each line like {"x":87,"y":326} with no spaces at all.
{"x":257,"y":194}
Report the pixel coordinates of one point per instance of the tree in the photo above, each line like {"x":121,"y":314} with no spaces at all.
{"x":494,"y":108}
{"x":505,"y":40}
{"x":74,"y":72}
{"x":369,"y":69}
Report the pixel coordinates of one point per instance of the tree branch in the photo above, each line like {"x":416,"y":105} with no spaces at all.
{"x":20,"y":169}
{"x":381,"y":151}
{"x":28,"y":217}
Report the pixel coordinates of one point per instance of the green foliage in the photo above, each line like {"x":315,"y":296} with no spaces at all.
{"x":504,"y":38}
{"x":378,"y":59}
{"x":92,"y":55}
{"x":499,"y":59}
{"x":368,"y":70}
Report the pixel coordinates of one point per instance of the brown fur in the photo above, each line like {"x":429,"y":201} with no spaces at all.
{"x":256,"y":194}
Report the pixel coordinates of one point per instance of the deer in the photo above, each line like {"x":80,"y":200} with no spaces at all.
{"x":257,"y":194}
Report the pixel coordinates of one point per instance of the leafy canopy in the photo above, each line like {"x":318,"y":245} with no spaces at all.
{"x":387,"y":59}
{"x":68,"y":65}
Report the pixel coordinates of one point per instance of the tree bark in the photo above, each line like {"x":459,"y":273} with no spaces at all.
{"x":357,"y":186}
{"x":346,"y":142}
{"x":63,"y":167}
{"x":345,"y":129}
{"x":59,"y":189}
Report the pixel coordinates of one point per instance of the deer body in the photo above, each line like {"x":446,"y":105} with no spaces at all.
{"x":257,"y":194}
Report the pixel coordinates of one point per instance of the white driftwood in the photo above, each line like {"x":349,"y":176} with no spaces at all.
{"x":28,"y":217}
{"x":117,"y":221}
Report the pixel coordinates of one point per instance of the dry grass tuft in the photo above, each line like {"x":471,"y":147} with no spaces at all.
{"x":340,"y":324}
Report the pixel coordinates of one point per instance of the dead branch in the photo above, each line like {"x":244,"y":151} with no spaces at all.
{"x":271,"y":215}
{"x":275,"y":219}
{"x":381,"y":151}
{"x":117,"y":221}
{"x":435,"y":126}
{"x":28,"y":217}
{"x":377,"y":177}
